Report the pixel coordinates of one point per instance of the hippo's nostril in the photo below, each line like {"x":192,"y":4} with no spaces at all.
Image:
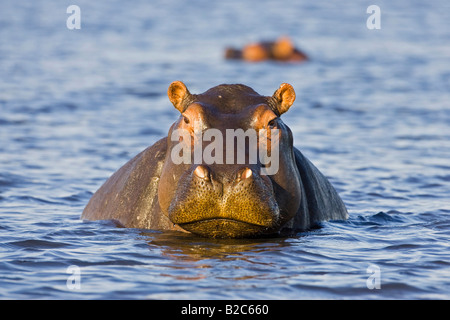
{"x":202,"y":172}
{"x":243,"y":174}
{"x":247,"y":173}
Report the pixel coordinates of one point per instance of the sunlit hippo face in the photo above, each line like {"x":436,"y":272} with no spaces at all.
{"x":230,"y":168}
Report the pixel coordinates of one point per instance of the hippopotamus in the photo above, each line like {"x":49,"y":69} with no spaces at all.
{"x":182,"y":184}
{"x":281,"y":49}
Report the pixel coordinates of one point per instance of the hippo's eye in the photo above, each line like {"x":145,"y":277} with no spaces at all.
{"x":272,"y":123}
{"x":186,"y":120}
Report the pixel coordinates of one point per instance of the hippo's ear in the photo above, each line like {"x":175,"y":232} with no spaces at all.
{"x":284,"y":97}
{"x":177,"y":93}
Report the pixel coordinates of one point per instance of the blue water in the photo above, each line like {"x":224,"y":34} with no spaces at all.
{"x":372,"y":112}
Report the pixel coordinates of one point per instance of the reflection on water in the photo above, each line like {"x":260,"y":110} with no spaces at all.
{"x":188,"y":247}
{"x":195,"y":258}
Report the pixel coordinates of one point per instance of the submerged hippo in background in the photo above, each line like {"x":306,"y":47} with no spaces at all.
{"x":229,"y":198}
{"x":281,"y":49}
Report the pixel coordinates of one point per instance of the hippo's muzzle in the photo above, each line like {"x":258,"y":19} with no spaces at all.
{"x":223,"y":206}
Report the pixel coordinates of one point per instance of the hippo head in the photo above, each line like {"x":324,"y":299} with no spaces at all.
{"x":230,"y":166}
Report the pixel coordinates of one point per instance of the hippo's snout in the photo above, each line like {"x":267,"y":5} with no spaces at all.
{"x":237,"y":204}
